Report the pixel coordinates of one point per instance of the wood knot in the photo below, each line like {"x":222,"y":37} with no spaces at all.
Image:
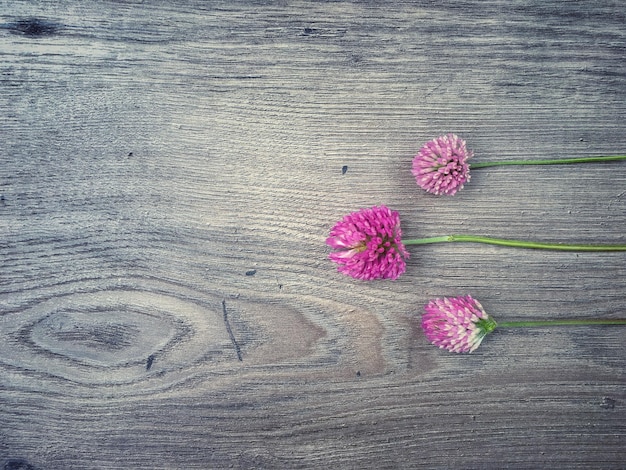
{"x":18,"y":464}
{"x":33,"y":27}
{"x":608,"y":403}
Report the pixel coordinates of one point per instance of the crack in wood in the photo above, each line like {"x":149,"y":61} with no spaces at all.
{"x":230,"y":332}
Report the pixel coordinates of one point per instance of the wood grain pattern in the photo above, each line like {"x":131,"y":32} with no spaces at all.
{"x":170,"y":171}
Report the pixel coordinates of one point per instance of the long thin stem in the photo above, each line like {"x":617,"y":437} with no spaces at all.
{"x":594,"y":321}
{"x":562,"y":161}
{"x":514,"y":243}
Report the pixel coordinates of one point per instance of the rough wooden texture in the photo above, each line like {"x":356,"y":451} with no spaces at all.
{"x":169,"y":172}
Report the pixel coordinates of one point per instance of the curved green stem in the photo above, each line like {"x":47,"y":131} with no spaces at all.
{"x":595,"y":321}
{"x":610,"y":158}
{"x":514,"y":243}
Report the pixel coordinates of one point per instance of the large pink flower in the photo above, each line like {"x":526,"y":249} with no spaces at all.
{"x":368,"y":244}
{"x":457,"y":324}
{"x":441,"y":165}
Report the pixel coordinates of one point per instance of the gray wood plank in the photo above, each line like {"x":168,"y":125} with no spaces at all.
{"x":170,"y":172}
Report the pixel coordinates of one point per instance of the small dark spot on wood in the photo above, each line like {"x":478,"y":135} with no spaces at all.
{"x":309,"y":31}
{"x":358,"y":373}
{"x":2,"y":201}
{"x":344,"y":169}
{"x":130,"y":154}
{"x":356,"y":58}
{"x":18,"y":464}
{"x":149,"y":361}
{"x":33,"y":27}
{"x":252,"y":272}
{"x":608,"y":403}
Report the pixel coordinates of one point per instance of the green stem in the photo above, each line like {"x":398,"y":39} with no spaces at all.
{"x":610,"y":158}
{"x":595,"y":321}
{"x":514,"y":243}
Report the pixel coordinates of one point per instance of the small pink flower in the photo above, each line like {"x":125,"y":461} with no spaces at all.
{"x":457,"y":324}
{"x":441,"y":165}
{"x":369,"y":244}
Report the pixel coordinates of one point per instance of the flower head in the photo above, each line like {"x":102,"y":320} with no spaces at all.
{"x":457,"y":324}
{"x":441,"y":165}
{"x":368,"y":244}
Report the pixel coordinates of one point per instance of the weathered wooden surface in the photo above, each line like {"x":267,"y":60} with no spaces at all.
{"x":169,"y":171}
